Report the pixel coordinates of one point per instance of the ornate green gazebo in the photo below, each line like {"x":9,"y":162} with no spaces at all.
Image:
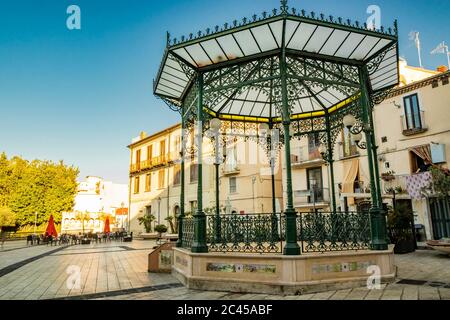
{"x":286,"y":70}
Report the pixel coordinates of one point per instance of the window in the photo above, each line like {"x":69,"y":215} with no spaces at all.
{"x":233,"y":187}
{"x":138,"y":159}
{"x":148,"y":210}
{"x":349,"y":146}
{"x":313,"y":145}
{"x":176,"y":175}
{"x":150,"y":152}
{"x":148,"y":182}
{"x":161,"y":180}
{"x":193,"y":172}
{"x":412,"y":112}
{"x":162,"y":148}
{"x":136,"y":184}
{"x":315,"y":184}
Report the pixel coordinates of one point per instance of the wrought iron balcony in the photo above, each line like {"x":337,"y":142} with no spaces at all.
{"x":230,"y":169}
{"x":303,"y":157}
{"x":311,"y":198}
{"x":396,"y":183}
{"x":413,"y":123}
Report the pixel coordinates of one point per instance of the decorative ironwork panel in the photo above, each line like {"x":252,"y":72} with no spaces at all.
{"x":249,"y":233}
{"x":188,"y":232}
{"x":340,"y":231}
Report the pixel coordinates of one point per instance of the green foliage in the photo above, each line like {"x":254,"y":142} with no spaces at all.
{"x":172,"y":224}
{"x":7,"y":217}
{"x":147,"y":222}
{"x":44,"y":187}
{"x":400,"y":217}
{"x":441,"y":182}
{"x":160,"y":228}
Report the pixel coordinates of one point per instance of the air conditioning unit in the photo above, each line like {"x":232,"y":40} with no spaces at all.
{"x":437,"y":152}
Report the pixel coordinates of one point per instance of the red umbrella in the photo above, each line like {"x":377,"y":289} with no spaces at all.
{"x":107,"y":228}
{"x":51,"y":230}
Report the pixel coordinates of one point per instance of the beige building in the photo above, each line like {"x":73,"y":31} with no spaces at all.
{"x":412,"y":123}
{"x":244,"y":179}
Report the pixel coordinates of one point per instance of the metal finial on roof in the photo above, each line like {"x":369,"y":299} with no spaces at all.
{"x":284,"y":7}
{"x":167,"y":39}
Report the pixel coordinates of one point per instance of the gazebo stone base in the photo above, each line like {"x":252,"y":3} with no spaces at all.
{"x":282,"y":275}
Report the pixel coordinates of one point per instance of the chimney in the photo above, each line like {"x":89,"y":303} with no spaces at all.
{"x":442,"y":69}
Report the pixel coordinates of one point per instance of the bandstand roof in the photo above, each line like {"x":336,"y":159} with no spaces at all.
{"x":323,"y":58}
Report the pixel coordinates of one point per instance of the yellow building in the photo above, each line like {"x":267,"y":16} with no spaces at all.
{"x":412,"y":123}
{"x":155,"y":176}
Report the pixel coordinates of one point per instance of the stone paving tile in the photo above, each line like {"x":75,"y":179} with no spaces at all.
{"x":444,"y":293}
{"x":340,"y":294}
{"x":410,"y":293}
{"x":323,"y":295}
{"x":428,"y":293}
{"x":357,"y":294}
{"x":392,"y":294}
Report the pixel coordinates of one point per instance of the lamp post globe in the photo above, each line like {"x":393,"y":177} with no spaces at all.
{"x":349,"y":121}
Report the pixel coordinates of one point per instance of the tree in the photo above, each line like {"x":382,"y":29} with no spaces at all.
{"x":440,"y":181}
{"x":7,"y":217}
{"x":147,"y":222}
{"x":44,"y":187}
{"x":170,"y":219}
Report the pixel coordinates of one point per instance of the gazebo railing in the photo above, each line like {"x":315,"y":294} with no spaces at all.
{"x":249,"y":233}
{"x":187,"y":232}
{"x":338,"y":231}
{"x":265,"y":232}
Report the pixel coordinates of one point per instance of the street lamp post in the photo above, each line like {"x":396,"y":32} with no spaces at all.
{"x":159,"y":207}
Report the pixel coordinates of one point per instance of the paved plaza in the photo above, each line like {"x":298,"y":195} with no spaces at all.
{"x":118,"y":270}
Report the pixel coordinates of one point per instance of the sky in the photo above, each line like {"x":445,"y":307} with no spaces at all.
{"x":82,"y":95}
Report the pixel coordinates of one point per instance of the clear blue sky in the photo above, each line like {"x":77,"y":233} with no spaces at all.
{"x":80,"y":96}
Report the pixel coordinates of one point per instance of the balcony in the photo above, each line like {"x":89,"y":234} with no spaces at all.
{"x":318,"y":198}
{"x":154,"y":162}
{"x":413,"y":124}
{"x":397,"y":184}
{"x":361,"y":189}
{"x":303,"y":157}
{"x":230,"y":169}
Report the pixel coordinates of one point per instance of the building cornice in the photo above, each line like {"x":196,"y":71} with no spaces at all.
{"x":155,"y":135}
{"x":419,"y":84}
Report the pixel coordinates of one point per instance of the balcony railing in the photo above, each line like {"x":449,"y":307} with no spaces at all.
{"x":395,"y":183}
{"x":230,"y":169}
{"x":158,"y":161}
{"x":359,"y":187}
{"x":311,"y":197}
{"x":413,"y":124}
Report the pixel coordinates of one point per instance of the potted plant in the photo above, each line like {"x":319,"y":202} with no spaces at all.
{"x":160,"y":228}
{"x":388,"y":176}
{"x":147,"y":222}
{"x":400,"y":226}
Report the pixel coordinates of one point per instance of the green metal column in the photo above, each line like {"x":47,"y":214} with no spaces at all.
{"x":291,"y":248}
{"x":199,"y":243}
{"x":181,"y":217}
{"x":377,"y":215}
{"x":217,"y":221}
{"x":375,"y":158}
{"x":330,"y":161}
